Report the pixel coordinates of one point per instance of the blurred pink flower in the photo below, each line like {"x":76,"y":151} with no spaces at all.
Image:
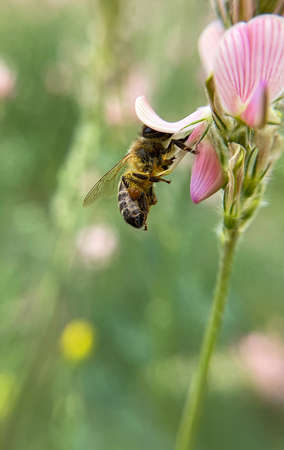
{"x":7,"y":81}
{"x":114,"y":114}
{"x":138,"y":83}
{"x":96,"y":244}
{"x":248,"y":65}
{"x":263,"y":357}
{"x":121,"y":109}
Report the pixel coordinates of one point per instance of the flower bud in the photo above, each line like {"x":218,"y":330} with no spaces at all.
{"x":234,"y":11}
{"x":233,"y":188}
{"x":221,"y":8}
{"x":242,"y":10}
{"x":267,"y":148}
{"x":269,"y":144}
{"x":271,"y":6}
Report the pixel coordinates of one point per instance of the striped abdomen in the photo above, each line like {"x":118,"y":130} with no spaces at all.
{"x":135,"y":211}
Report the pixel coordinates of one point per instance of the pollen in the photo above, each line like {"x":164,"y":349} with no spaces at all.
{"x":77,"y":340}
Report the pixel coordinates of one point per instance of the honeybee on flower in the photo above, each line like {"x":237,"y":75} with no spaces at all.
{"x":245,"y":69}
{"x":150,"y":158}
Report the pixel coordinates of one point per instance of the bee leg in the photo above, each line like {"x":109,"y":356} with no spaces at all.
{"x":140,"y":176}
{"x":152,"y":197}
{"x":145,"y":227}
{"x":167,"y":163}
{"x":125,"y":182}
{"x":157,"y":179}
{"x":153,"y":200}
{"x":154,"y":179}
{"x":180,"y":144}
{"x":169,"y":148}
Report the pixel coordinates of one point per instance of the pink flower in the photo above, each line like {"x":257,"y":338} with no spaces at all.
{"x":247,"y":62}
{"x":96,"y":244}
{"x":119,"y":109}
{"x":207,"y":173}
{"x":114,"y":114}
{"x":7,"y":81}
{"x":263,"y":357}
{"x":137,"y":83}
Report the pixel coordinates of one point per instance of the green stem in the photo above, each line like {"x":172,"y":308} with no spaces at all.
{"x":193,"y":404}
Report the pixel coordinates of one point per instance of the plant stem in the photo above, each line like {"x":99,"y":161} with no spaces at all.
{"x":192,"y":409}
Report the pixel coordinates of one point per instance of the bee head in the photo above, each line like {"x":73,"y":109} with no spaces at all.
{"x":149,"y":133}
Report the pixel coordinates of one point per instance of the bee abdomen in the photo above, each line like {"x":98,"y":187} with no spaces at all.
{"x":136,"y":218}
{"x":130,"y":209}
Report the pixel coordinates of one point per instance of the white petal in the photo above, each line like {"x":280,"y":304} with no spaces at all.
{"x":148,"y":117}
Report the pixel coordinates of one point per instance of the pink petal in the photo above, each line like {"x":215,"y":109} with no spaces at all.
{"x":207,"y":175}
{"x":208,"y":44}
{"x":250,"y":53}
{"x":148,"y":116}
{"x":267,"y":44}
{"x":230,"y":68}
{"x":196,"y":134}
{"x":256,"y":111}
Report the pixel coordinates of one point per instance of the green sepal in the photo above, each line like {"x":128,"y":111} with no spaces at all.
{"x":215,"y":105}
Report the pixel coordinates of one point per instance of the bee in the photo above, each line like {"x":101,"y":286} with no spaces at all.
{"x":152,"y":155}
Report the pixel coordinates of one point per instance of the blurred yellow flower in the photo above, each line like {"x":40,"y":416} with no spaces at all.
{"x":7,"y":382}
{"x":77,"y":340}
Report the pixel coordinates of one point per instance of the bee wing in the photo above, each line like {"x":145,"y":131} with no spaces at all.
{"x":106,"y":183}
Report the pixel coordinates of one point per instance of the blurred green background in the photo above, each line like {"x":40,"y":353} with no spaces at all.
{"x":101,"y":324}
